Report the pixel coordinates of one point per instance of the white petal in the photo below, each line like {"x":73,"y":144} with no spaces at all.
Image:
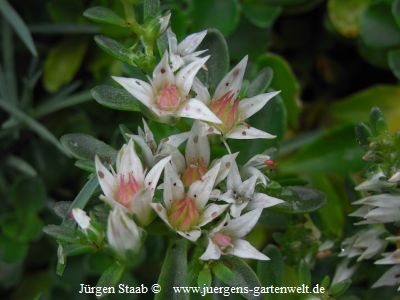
{"x":395,"y":177}
{"x":242,"y":225}
{"x":191,"y":42}
{"x":192,"y":235}
{"x":252,"y":171}
{"x":201,"y":91}
{"x":172,"y":41}
{"x":174,"y":140}
{"x":197,"y":146}
{"x":162,"y":73}
{"x":106,"y":179}
{"x":249,"y":106}
{"x":81,"y":218}
{"x":243,"y":132}
{"x":225,"y":166}
{"x":212,"y":251}
{"x":244,"y":249}
{"x":161,"y":212}
{"x":146,"y":151}
{"x":257,"y":161}
{"x":154,"y":174}
{"x":173,"y":186}
{"x":195,"y":109}
{"x":246,"y":189}
{"x":129,"y":162}
{"x":234,"y":180}
{"x":141,"y":207}
{"x":148,"y":136}
{"x":237,"y":208}
{"x":263,"y":201}
{"x":232,"y":82}
{"x":211,"y":212}
{"x":390,"y":258}
{"x":164,"y":21}
{"x":389,"y":278}
{"x":113,"y":203}
{"x":200,"y":190}
{"x":185,"y":76}
{"x":381,"y":200}
{"x":140,"y":89}
{"x":122,"y":232}
{"x":343,"y":272}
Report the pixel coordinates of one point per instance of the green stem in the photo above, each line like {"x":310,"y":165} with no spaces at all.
{"x":131,"y":18}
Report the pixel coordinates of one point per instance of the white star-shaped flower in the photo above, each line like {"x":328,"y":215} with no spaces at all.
{"x":242,"y":195}
{"x":187,"y":210}
{"x":183,"y":53}
{"x":227,"y":238}
{"x":168,"y":94}
{"x":232,"y":111}
{"x":130,"y":187}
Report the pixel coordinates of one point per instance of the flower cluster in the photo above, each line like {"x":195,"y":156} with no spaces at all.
{"x":379,"y":206}
{"x":201,"y":196}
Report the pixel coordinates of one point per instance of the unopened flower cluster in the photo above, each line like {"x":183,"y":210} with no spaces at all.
{"x":176,"y":180}
{"x":380,"y":206}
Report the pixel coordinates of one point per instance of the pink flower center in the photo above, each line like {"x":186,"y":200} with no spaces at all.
{"x":184,"y":214}
{"x":194,"y":172}
{"x":222,"y":240}
{"x":127,"y":189}
{"x":227,"y":110}
{"x":168,"y":97}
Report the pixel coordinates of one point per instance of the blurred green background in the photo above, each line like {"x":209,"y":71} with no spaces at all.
{"x":333,"y":61}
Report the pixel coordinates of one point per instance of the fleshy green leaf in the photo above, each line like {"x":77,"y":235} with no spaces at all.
{"x":339,"y":288}
{"x":394,"y":62}
{"x":345,"y":15}
{"x":112,"y":275}
{"x":62,"y":233}
{"x":84,"y":195}
{"x":261,"y":15}
{"x":377,"y":121}
{"x":261,"y":82}
{"x":174,"y":271}
{"x":304,"y":273}
{"x":396,"y":11}
{"x":84,"y":146}
{"x":378,"y":28}
{"x":335,"y":151}
{"x":237,"y":273}
{"x":63,"y":62}
{"x":357,"y":107}
{"x":18,"y":25}
{"x":363,"y":133}
{"x":284,"y":81}
{"x":270,"y":272}
{"x":104,"y":15}
{"x":115,"y":49}
{"x":331,"y":214}
{"x":299,"y":200}
{"x":218,"y":63}
{"x":115,"y":98}
{"x":204,"y":278}
{"x":223,"y":15}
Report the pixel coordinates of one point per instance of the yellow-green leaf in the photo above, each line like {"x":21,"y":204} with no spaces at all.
{"x":63,"y":62}
{"x":356,"y":107}
{"x":345,"y":15}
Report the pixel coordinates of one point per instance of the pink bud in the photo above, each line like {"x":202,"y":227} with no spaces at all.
{"x":169,"y":97}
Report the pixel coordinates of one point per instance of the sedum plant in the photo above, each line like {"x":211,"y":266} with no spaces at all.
{"x":187,"y":187}
{"x":378,"y":210}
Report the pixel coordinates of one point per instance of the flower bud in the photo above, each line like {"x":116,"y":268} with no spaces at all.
{"x":122,"y":232}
